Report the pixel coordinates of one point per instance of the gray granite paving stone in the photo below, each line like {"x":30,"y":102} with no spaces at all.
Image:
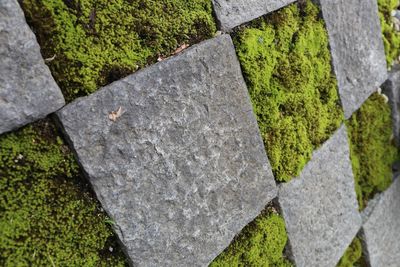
{"x":357,"y":49}
{"x":27,"y":90}
{"x":382,"y":229}
{"x":175,"y":155}
{"x":391,"y":88}
{"x":232,"y":13}
{"x":320,"y":206}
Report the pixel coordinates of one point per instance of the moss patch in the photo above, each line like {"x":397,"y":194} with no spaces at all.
{"x":286,"y":62}
{"x":261,"y":243}
{"x":372,"y":148}
{"x":353,"y":256}
{"x":46,"y":219}
{"x":391,"y":38}
{"x":98,"y":41}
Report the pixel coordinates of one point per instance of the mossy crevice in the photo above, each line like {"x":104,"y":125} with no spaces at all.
{"x":391,"y":38}
{"x":97,"y":41}
{"x":260,"y":243}
{"x":353,"y":257}
{"x":48,"y":216}
{"x":372,"y":148}
{"x":287,"y":65}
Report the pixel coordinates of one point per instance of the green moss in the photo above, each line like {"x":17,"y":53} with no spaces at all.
{"x":286,"y":62}
{"x":372,"y":149}
{"x":46,"y":219}
{"x":261,"y":243}
{"x":353,"y":255}
{"x":98,"y":41}
{"x":391,"y":38}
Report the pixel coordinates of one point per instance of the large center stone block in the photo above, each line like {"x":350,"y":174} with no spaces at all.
{"x":175,"y":155}
{"x":28,"y":92}
{"x":382,"y":229}
{"x":356,"y":47}
{"x":234,"y":13}
{"x":320,"y":206}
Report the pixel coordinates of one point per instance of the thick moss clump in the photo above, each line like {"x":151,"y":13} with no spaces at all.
{"x":391,"y":38}
{"x":286,"y":62}
{"x":372,"y":149}
{"x":98,"y":41}
{"x":353,"y":255}
{"x":261,"y":243}
{"x":46,"y":219}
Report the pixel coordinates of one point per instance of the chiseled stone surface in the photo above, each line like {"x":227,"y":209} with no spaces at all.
{"x":391,"y":88}
{"x":232,"y":13}
{"x":382,"y":229}
{"x":183,"y":168}
{"x":27,"y":90}
{"x":320,"y":206}
{"x":356,"y":47}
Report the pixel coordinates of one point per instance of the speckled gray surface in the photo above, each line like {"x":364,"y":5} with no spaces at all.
{"x":382,"y":229}
{"x":357,"y":49}
{"x":27,"y":90}
{"x":320,"y":206}
{"x":183,"y":169}
{"x":232,"y":13}
{"x":391,"y":88}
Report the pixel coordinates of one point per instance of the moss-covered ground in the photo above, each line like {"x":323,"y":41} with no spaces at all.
{"x":391,"y":38}
{"x":353,"y":257}
{"x":372,"y":148}
{"x":48,"y":216}
{"x":260,"y":243}
{"x":95,"y":42}
{"x":287,"y":65}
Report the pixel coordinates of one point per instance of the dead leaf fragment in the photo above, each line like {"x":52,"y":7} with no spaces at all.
{"x":180,"y":49}
{"x":114,"y":115}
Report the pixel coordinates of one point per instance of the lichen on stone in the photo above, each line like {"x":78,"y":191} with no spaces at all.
{"x":372,"y":148}
{"x":287,"y":65}
{"x":260,"y":243}
{"x":391,"y":38}
{"x":92,"y":43}
{"x":48,"y":217}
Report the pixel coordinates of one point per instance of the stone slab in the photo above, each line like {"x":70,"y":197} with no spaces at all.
{"x":234,"y":13}
{"x":381,"y":232}
{"x":391,"y":88}
{"x":27,"y":90}
{"x":320,"y":206}
{"x":357,"y":49}
{"x":175,"y":155}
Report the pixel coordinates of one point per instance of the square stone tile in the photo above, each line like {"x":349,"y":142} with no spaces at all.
{"x":391,"y":88}
{"x":175,"y":155}
{"x":320,"y":206}
{"x":381,"y":231}
{"x":234,"y":13}
{"x":357,"y":49}
{"x":28,"y":92}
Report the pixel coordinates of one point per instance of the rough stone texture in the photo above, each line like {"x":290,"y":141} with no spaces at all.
{"x":183,"y":169}
{"x":391,"y":88}
{"x":382,"y":230}
{"x":27,"y":90}
{"x":232,"y":13}
{"x":320,"y":206}
{"x":357,"y":49}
